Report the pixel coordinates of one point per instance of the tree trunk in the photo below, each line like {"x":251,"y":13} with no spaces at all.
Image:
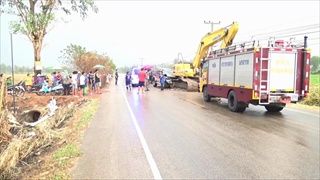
{"x":37,"y":45}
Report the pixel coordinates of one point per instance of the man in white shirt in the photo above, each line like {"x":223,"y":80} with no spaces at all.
{"x":74,"y":79}
{"x":82,"y":82}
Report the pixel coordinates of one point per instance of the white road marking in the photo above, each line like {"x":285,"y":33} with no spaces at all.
{"x":152,"y":163}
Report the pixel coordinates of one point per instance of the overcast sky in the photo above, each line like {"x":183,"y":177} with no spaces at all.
{"x":157,"y":31}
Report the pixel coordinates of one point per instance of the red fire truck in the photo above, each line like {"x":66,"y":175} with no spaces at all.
{"x":271,"y":75}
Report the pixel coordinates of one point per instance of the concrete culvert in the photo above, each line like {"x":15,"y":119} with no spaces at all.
{"x":31,"y":116}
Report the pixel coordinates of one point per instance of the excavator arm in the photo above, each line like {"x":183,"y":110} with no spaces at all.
{"x":226,"y":35}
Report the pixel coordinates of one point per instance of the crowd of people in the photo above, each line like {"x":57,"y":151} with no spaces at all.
{"x":146,"y":77}
{"x":75,"y":83}
{"x":87,"y":83}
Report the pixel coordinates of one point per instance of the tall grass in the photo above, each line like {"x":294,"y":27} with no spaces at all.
{"x":313,"y":97}
{"x":315,"y":79}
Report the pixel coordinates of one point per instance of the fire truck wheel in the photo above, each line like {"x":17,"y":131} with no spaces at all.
{"x":233,"y":103}
{"x":274,"y":107}
{"x":206,"y":96}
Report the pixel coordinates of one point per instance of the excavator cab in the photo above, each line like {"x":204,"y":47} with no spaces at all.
{"x":183,"y":70}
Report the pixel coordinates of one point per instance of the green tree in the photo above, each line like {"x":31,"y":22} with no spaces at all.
{"x":35,"y":16}
{"x":111,"y":64}
{"x":315,"y":63}
{"x":77,"y":57}
{"x":71,"y":53}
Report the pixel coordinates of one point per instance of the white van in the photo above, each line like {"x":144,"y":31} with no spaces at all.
{"x":134,"y":77}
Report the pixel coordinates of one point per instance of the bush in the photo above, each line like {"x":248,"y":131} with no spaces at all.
{"x":313,"y":97}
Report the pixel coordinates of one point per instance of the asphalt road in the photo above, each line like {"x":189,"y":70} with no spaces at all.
{"x":183,"y":137}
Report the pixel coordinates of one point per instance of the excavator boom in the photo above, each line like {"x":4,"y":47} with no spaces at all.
{"x":186,"y":74}
{"x":226,"y":35}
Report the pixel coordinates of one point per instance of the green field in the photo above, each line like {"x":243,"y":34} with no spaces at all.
{"x":17,"y":77}
{"x":314,"y":79}
{"x":20,"y":77}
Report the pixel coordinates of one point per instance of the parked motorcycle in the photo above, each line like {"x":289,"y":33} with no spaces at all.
{"x":17,"y":90}
{"x":54,"y":90}
{"x":34,"y":88}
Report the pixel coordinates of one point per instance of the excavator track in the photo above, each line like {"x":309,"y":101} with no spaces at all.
{"x":188,"y":84}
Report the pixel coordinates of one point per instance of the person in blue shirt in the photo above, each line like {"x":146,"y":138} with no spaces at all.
{"x":163,"y":81}
{"x":128,"y":81}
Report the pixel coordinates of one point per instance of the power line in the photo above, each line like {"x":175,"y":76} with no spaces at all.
{"x":286,"y":35}
{"x":313,"y":43}
{"x":293,"y":29}
{"x":297,"y":29}
{"x":316,"y":38}
{"x":287,"y":23}
{"x":305,"y":33}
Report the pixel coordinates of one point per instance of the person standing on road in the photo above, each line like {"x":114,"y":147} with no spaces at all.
{"x":147,"y":82}
{"x":74,"y":79}
{"x":66,"y":83}
{"x":163,"y":81}
{"x":128,"y":81}
{"x":91,"y":82}
{"x":142,"y":78}
{"x":97,"y":81}
{"x":116,"y":77}
{"x":107,"y":79}
{"x":151,"y":77}
{"x":82,"y":83}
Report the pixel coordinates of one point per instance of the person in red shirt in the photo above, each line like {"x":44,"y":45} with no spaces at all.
{"x":142,"y":78}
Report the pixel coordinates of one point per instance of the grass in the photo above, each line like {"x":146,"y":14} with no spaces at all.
{"x":88,"y":114}
{"x":315,"y":79}
{"x":313,"y":98}
{"x":63,"y":158}
{"x":63,"y":154}
{"x":60,"y":176}
{"x":57,"y":160}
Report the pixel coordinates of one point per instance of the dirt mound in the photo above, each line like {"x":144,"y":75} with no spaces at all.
{"x":33,"y":101}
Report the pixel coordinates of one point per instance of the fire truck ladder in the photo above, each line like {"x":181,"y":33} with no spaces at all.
{"x":264,"y":81}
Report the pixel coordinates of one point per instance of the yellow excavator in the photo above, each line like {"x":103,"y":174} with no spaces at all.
{"x":186,"y":74}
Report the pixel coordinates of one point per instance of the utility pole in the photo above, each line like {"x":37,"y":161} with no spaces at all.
{"x":211,"y":23}
{"x":12,"y":71}
{"x":180,"y":55}
{"x":0,"y":41}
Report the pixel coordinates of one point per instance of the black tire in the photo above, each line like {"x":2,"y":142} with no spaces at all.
{"x":233,"y":103}
{"x":58,"y":92}
{"x":274,"y":107}
{"x":206,"y":96}
{"x":21,"y":93}
{"x":40,"y":93}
